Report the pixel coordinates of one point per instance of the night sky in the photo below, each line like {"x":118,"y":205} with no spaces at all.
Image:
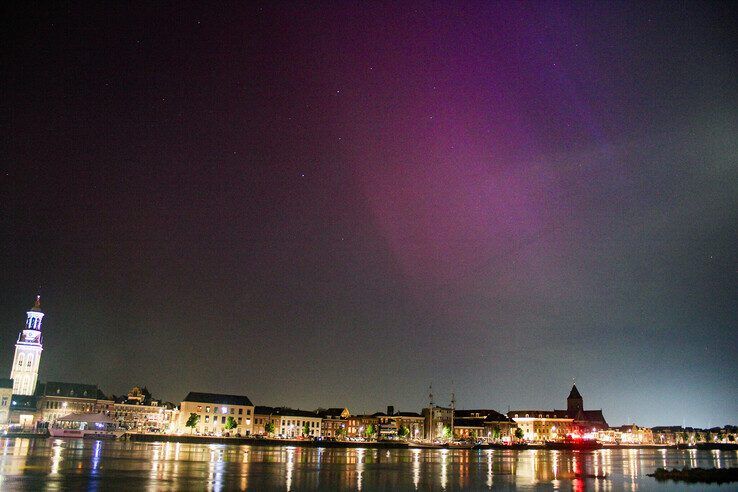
{"x":339,"y":204}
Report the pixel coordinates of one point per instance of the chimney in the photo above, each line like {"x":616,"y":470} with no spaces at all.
{"x":390,"y":410}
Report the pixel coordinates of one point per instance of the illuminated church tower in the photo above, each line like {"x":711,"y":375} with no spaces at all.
{"x":28,"y":353}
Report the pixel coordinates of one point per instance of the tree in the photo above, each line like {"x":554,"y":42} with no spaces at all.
{"x":518,"y":433}
{"x":685,"y":437}
{"x":446,"y":433}
{"x":720,"y":436}
{"x":370,"y":431}
{"x":496,"y":432}
{"x":306,"y":429}
{"x":403,"y":431}
{"x":230,"y":423}
{"x":192,"y":421}
{"x":269,"y":428}
{"x":341,"y":432}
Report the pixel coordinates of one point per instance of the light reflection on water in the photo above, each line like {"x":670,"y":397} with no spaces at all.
{"x":54,"y":464}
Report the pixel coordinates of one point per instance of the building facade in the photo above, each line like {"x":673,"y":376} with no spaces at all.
{"x":287,"y":423}
{"x":551,"y":425}
{"x":543,"y":425}
{"x":438,"y":422}
{"x":139,"y":412}
{"x":482,"y":424}
{"x":28,"y":348}
{"x":333,"y":421}
{"x":413,"y":422}
{"x":6,"y":396}
{"x":58,"y":399}
{"x":362,"y":426}
{"x":23,"y":412}
{"x":213,"y":412}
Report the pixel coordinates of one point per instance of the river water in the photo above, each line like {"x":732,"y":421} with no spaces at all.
{"x":56,"y":464}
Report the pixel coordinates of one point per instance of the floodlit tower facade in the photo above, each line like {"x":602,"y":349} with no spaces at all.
{"x":28,"y":353}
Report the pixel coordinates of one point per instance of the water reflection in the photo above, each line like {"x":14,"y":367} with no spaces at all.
{"x":359,"y":467}
{"x":290,"y":467}
{"x":56,"y":456}
{"x":490,"y":482}
{"x":78,"y":464}
{"x":416,"y":468}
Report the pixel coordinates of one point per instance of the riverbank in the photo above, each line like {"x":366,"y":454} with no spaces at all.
{"x":27,"y":435}
{"x":250,"y":441}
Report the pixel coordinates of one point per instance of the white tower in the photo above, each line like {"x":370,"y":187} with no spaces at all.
{"x":28,"y":353}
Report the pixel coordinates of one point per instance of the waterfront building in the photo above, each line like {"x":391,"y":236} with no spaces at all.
{"x":333,"y":421}
{"x":543,"y":425}
{"x":438,"y":422}
{"x":23,"y":412}
{"x":28,"y":348}
{"x":213,"y":411}
{"x":626,"y":434}
{"x":138,"y":411}
{"x":386,"y":424}
{"x":389,"y":424}
{"x":465,"y":428}
{"x":6,"y":395}
{"x":676,"y":434}
{"x":413,"y":421}
{"x":287,"y":422}
{"x":362,"y":426}
{"x":548,"y":425}
{"x":58,"y":399}
{"x":484,"y":424}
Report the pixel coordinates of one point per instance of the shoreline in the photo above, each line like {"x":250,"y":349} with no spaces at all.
{"x":384,"y":444}
{"x":250,"y":441}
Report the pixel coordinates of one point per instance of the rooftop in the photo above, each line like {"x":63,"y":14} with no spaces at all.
{"x":218,"y":399}
{"x":70,"y":390}
{"x":284,"y":412}
{"x":486,"y":414}
{"x":574,"y":393}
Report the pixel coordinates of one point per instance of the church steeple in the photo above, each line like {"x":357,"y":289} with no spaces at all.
{"x":574,"y":403}
{"x":28,"y":352}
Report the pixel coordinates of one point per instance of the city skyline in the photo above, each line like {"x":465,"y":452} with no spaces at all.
{"x":340,"y":206}
{"x":33,"y":323}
